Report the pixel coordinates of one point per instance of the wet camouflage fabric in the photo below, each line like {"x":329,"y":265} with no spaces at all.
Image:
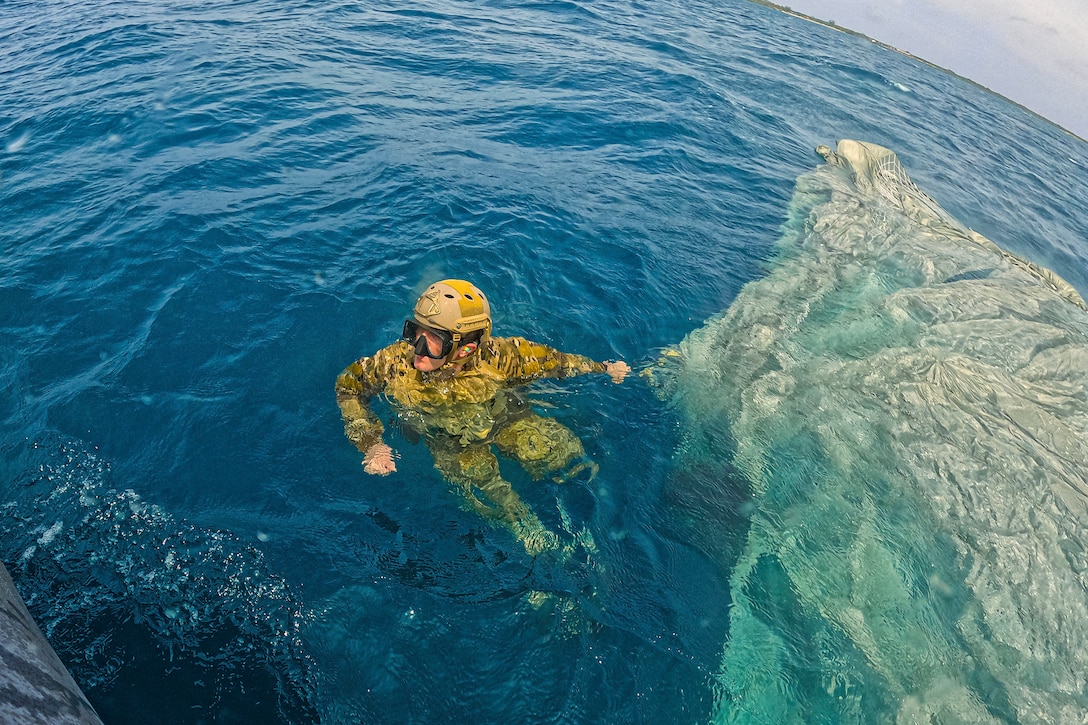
{"x":465,"y":406}
{"x":462,"y":414}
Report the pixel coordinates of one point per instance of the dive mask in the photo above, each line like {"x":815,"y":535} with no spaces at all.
{"x":413,"y":335}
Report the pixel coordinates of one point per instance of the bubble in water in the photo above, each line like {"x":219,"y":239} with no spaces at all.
{"x":17,"y":145}
{"x":107,"y":557}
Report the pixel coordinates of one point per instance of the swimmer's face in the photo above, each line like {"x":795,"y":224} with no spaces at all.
{"x":434,"y":345}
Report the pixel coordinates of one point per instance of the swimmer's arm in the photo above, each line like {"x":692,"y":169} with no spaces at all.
{"x":531,"y":360}
{"x":354,"y":388}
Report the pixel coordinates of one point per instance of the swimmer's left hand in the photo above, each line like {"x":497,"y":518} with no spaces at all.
{"x":618,"y":370}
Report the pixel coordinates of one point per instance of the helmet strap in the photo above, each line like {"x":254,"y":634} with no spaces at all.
{"x":455,"y":350}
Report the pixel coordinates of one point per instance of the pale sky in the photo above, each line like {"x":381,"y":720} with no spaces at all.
{"x":1034,"y":52}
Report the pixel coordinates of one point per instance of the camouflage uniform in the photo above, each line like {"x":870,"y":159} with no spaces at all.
{"x":461,"y":413}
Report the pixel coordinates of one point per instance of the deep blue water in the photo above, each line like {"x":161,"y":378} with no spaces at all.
{"x":209,"y":210}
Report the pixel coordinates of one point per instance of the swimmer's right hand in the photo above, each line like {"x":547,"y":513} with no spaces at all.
{"x":378,"y":460}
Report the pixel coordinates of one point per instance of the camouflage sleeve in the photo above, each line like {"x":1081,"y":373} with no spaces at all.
{"x":524,"y":360}
{"x":354,"y":387}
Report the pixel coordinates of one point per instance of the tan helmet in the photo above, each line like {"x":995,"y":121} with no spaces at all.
{"x":457,"y":307}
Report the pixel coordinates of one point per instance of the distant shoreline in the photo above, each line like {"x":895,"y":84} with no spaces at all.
{"x":832,"y":25}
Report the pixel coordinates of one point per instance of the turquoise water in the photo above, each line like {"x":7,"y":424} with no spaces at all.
{"x":210,"y":210}
{"x":908,"y":404}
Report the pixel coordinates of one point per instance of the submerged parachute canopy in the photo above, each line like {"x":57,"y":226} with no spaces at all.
{"x":908,"y":403}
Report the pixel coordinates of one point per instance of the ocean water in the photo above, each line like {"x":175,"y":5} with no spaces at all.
{"x":908,"y":404}
{"x":210,"y":209}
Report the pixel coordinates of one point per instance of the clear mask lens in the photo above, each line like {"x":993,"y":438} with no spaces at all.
{"x":413,"y":335}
